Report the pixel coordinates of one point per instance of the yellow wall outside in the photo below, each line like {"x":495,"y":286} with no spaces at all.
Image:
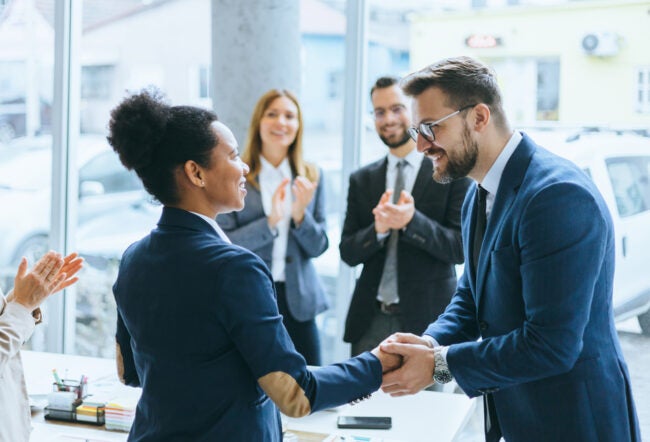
{"x":592,"y":90}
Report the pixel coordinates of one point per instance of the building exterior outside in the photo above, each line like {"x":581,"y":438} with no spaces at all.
{"x":576,"y":63}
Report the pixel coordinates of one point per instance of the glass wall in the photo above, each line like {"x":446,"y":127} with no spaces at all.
{"x":565,"y":67}
{"x":126,"y":46}
{"x":26,"y":79}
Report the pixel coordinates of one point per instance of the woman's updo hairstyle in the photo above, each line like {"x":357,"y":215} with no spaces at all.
{"x":154,"y":139}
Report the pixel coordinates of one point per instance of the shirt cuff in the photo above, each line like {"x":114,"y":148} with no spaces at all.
{"x":20,"y":318}
{"x":382,"y":236}
{"x":433,"y":344}
{"x":430,"y":339}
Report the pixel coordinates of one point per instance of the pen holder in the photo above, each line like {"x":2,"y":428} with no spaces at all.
{"x":78,"y":388}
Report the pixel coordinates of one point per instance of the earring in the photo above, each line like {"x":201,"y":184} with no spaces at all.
{"x":202,"y":183}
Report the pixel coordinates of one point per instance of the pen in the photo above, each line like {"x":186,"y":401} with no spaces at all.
{"x":57,"y":379}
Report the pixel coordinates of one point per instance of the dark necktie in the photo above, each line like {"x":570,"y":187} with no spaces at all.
{"x":388,"y":284}
{"x":492,"y":429}
{"x":479,"y":225}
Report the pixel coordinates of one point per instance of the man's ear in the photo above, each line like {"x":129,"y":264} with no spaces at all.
{"x":194,"y":173}
{"x":482,"y":116}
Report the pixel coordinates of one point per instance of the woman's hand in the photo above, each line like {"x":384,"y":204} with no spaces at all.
{"x":277,"y":204}
{"x":50,"y":274}
{"x":303,"y":192}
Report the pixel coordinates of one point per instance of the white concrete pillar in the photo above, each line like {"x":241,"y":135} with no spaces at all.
{"x":255,"y":47}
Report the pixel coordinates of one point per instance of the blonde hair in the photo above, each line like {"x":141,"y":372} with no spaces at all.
{"x":253,"y":149}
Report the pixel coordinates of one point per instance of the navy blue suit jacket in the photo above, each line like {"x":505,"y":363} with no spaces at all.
{"x":249,"y":228}
{"x":541,"y":300}
{"x":198,"y":326}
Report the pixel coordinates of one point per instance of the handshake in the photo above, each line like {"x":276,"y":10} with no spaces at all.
{"x":407,"y":363}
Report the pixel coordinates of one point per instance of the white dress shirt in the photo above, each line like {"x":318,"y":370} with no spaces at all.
{"x":214,"y":225}
{"x":491,"y":184}
{"x":410,"y":172}
{"x":270,"y":178}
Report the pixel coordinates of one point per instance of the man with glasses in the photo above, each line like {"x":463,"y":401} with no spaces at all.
{"x":403,"y":227}
{"x":530,"y":327}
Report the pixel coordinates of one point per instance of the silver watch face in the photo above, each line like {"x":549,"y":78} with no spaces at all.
{"x":441,"y":373}
{"x":442,"y":376}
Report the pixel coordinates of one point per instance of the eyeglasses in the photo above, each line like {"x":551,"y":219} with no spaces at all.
{"x":426,"y":129}
{"x":381,"y":113}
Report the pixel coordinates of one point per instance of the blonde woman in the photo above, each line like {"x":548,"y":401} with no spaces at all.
{"x":283,"y":220}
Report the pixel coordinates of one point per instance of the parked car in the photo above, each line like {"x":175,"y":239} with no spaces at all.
{"x":13,"y":118}
{"x":25,"y":191}
{"x":619,"y":164}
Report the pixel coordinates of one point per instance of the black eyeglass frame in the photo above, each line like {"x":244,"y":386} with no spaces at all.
{"x":426,"y":129}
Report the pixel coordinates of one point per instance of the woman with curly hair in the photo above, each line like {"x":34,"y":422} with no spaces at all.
{"x":198,"y":326}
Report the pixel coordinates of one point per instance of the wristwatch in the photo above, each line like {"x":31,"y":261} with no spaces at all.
{"x":441,"y":373}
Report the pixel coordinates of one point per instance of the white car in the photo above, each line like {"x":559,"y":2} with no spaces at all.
{"x":25,"y":192}
{"x":619,"y":164}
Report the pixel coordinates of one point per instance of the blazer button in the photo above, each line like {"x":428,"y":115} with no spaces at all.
{"x":483,"y":326}
{"x":288,"y":259}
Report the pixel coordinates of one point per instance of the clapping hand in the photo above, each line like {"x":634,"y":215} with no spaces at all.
{"x":393,"y":216}
{"x":50,"y":274}
{"x":303,"y":193}
{"x":277,"y":203}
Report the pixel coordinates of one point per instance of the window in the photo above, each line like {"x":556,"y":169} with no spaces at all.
{"x":643,"y":90}
{"x":629,"y":177}
{"x":107,"y":170}
{"x":336,"y":84}
{"x":204,"y":82}
{"x":97,"y":82}
{"x":548,"y":89}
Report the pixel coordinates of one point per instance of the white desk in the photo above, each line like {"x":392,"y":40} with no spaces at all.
{"x":425,"y":416}
{"x":103,"y":383}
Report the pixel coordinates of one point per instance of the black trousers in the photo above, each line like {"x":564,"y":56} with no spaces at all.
{"x":304,"y":334}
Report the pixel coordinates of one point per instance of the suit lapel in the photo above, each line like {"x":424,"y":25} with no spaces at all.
{"x":254,"y":199}
{"x":511,"y":179}
{"x":377,"y":184}
{"x":424,"y":177}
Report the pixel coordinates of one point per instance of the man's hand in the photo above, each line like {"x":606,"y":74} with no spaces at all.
{"x":407,"y":338}
{"x":389,"y":362}
{"x":417,"y":367}
{"x":381,"y":225}
{"x":394,"y":216}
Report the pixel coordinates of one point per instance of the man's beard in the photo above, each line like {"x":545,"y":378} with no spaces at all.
{"x":459,"y":163}
{"x":396,"y":144}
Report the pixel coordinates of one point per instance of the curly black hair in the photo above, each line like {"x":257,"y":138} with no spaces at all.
{"x":154,"y":139}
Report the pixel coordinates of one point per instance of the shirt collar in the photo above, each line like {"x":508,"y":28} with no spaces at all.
{"x":284,"y":168}
{"x":493,"y":177}
{"x":414,"y":159}
{"x":214,"y":225}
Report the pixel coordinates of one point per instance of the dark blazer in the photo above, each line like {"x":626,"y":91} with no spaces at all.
{"x":199,"y":330}
{"x":250,"y":229}
{"x":542,"y":305}
{"x":427,"y":250}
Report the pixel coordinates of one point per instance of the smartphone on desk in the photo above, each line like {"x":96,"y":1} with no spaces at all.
{"x":365,"y":422}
